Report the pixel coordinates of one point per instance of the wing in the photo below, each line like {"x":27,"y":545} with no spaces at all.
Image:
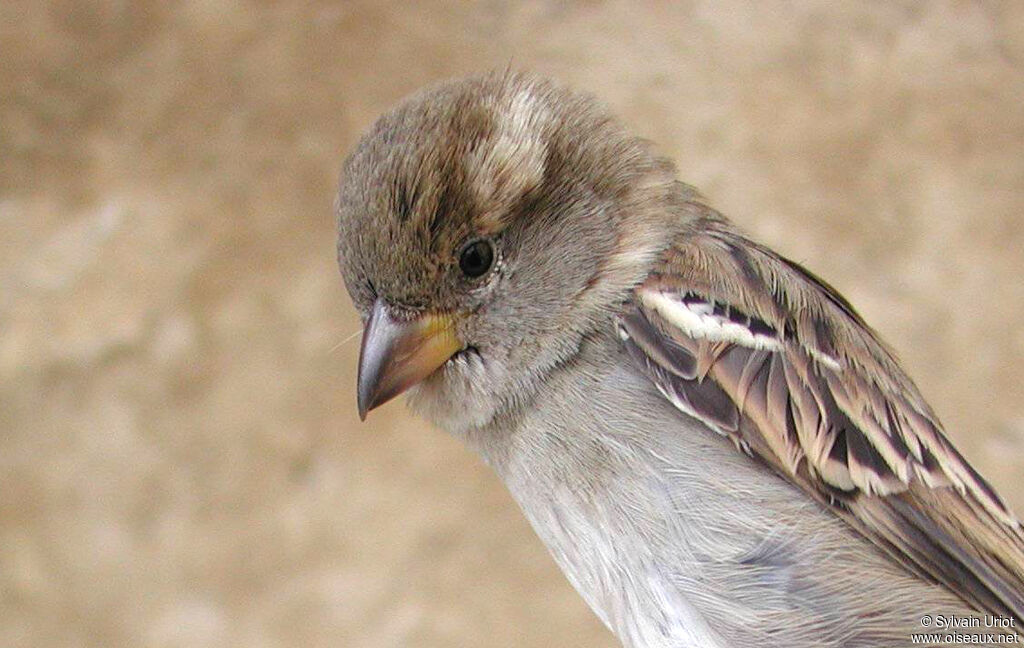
{"x":768,"y":354}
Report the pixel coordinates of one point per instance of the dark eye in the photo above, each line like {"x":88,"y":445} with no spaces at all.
{"x":476,"y":258}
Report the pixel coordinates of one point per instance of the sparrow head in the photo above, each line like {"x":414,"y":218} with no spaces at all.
{"x":485,"y":227}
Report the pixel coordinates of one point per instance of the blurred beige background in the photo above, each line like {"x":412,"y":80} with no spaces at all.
{"x":180,"y":459}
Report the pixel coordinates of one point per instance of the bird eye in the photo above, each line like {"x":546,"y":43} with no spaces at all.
{"x":476,"y":258}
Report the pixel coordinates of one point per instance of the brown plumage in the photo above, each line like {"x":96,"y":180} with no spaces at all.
{"x":825,"y":404}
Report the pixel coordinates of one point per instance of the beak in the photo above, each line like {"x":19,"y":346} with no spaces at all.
{"x":399,"y":354}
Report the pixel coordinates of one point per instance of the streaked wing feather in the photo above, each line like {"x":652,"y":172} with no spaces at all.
{"x":768,"y":354}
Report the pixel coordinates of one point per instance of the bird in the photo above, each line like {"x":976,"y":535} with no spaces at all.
{"x":713,"y":445}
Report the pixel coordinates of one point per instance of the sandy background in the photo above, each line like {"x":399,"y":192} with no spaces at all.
{"x":180,"y":459}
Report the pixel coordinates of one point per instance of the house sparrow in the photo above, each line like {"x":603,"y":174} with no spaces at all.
{"x":711,"y":442}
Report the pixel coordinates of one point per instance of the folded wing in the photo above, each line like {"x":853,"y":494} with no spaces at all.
{"x":766,"y":353}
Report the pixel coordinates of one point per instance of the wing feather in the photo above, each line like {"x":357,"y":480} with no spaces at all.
{"x":768,"y":354}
